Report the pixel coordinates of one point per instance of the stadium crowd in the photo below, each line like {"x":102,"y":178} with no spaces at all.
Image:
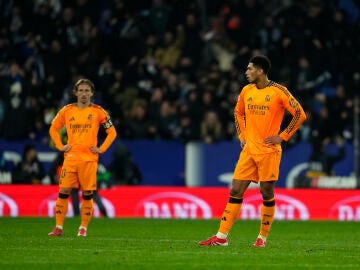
{"x":173,"y":69}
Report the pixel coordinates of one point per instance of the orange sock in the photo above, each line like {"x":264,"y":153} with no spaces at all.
{"x":61,"y":209}
{"x":267,"y":213}
{"x":230,"y":214}
{"x":86,"y":211}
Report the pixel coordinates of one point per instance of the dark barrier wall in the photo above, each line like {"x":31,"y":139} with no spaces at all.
{"x":163,"y":163}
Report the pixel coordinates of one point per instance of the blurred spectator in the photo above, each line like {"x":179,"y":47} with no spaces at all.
{"x":186,"y":131}
{"x":166,"y":121}
{"x":305,"y":131}
{"x":321,"y":162}
{"x":29,"y":170}
{"x":269,"y":36}
{"x":341,"y":111}
{"x":322,"y":125}
{"x":168,"y":53}
{"x":55,"y":64}
{"x":54,"y":6}
{"x":211,"y":128}
{"x":2,"y":161}
{"x":5,"y":172}
{"x":137,"y":124}
{"x":208,"y":103}
{"x":193,"y":44}
{"x":124,"y":171}
{"x":15,"y":93}
{"x":55,"y":168}
{"x":128,"y":39}
{"x":157,"y":98}
{"x":189,"y":54}
{"x":159,"y":17}
{"x":224,"y":52}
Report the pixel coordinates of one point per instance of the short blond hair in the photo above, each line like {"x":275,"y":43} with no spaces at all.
{"x":84,"y":81}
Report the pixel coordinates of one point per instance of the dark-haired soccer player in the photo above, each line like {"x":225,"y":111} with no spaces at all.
{"x":258,"y":115}
{"x":82,"y":121}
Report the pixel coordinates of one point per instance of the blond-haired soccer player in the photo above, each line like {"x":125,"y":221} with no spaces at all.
{"x":258,"y":116}
{"x":82,"y":121}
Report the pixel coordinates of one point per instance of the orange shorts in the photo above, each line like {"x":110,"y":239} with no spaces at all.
{"x":78,"y":174}
{"x":264,"y":167}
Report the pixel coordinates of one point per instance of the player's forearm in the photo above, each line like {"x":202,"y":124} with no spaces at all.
{"x":55,"y":136}
{"x":111,"y":136}
{"x":239,"y":124}
{"x":298,"y":118}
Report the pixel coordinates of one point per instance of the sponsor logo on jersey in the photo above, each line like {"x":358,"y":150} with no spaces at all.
{"x":173,"y":205}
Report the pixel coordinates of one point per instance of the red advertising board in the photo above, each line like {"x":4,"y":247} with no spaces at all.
{"x":187,"y":203}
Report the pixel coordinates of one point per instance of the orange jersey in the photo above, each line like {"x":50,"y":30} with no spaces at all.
{"x":82,"y":127}
{"x":259,"y":114}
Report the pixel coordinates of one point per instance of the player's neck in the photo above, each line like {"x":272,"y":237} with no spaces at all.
{"x":83,"y":105}
{"x":262,"y":83}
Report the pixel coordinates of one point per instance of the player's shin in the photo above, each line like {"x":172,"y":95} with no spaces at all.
{"x":86,"y":210}
{"x":267,"y":213}
{"x":230,"y":215}
{"x":61,"y":208}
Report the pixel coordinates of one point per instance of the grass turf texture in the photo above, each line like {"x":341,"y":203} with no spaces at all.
{"x":172,"y":244}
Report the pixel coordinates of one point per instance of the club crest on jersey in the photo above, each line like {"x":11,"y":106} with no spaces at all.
{"x":90,"y":117}
{"x":267,"y":98}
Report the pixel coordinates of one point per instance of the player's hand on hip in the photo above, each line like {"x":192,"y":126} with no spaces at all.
{"x":242,"y":143}
{"x":95,"y":149}
{"x":272,"y":140}
{"x":65,"y":148}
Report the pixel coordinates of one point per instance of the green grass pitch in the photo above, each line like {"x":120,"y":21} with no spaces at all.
{"x":172,"y":244}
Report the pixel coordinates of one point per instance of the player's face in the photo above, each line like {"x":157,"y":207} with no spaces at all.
{"x":252,"y":73}
{"x":84,"y":93}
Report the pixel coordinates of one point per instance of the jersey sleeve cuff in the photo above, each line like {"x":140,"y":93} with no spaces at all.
{"x":284,"y":137}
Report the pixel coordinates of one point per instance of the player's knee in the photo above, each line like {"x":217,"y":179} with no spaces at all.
{"x":87,"y":196}
{"x":235,"y":193}
{"x":267,"y":191}
{"x":63,"y":195}
{"x":267,"y":194}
